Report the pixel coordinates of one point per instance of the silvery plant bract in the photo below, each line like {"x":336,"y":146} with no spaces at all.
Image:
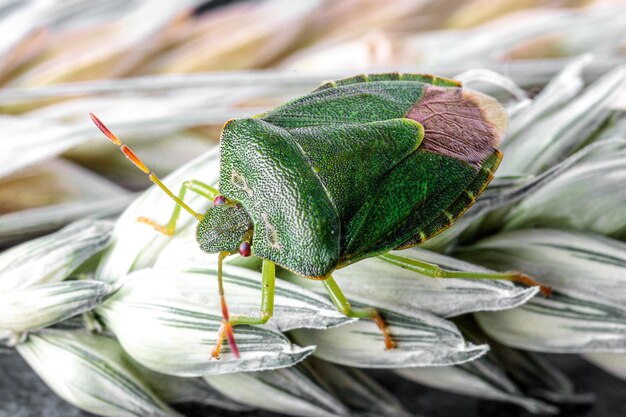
{"x":449,"y":229}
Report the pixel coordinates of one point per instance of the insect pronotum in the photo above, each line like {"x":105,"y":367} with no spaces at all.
{"x":354,"y":169}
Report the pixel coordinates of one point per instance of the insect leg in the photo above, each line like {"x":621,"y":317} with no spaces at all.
{"x":267,"y":306}
{"x":267,"y":298}
{"x":227,"y":329}
{"x":343,"y":305}
{"x":434,"y":271}
{"x":197,"y":187}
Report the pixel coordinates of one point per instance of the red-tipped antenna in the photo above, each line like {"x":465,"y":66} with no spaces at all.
{"x":226,"y":330}
{"x":139,"y":164}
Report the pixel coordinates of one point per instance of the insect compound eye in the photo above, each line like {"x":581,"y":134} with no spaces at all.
{"x":219,"y":200}
{"x":244,"y":249}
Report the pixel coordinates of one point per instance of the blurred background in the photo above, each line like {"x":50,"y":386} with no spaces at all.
{"x":166,"y":75}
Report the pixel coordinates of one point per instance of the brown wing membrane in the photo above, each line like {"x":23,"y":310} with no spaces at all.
{"x":460,"y":123}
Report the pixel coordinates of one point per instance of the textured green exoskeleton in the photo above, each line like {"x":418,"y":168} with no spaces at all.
{"x":359,"y":167}
{"x":354,"y":169}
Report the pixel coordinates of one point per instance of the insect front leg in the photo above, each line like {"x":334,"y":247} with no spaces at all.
{"x":197,"y":187}
{"x":267,"y":306}
{"x":343,"y":305}
{"x":434,"y":271}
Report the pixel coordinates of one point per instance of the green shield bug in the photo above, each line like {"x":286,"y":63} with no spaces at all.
{"x":356,"y":168}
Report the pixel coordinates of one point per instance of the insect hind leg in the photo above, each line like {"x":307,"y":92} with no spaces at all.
{"x":343,"y":305}
{"x":434,"y":271}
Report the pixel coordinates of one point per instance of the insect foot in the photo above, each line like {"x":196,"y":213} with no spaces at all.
{"x":226,"y":331}
{"x":526,"y":280}
{"x":156,"y":226}
{"x":382,"y":325}
{"x":343,"y":305}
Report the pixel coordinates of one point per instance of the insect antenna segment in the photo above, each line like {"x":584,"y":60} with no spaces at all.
{"x":139,"y":164}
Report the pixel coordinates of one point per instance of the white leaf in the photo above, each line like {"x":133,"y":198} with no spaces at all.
{"x":507,"y":190}
{"x":168,"y":320}
{"x":579,"y":316}
{"x":377,"y":282}
{"x":479,"y":378}
{"x":178,"y":390}
{"x":547,"y":141}
{"x":422,"y":339}
{"x":562,"y":88}
{"x":589,"y":197}
{"x":357,"y":390}
{"x":560,"y":324}
{"x":491,"y":78}
{"x":46,"y":304}
{"x":515,"y":372}
{"x":93,"y":373}
{"x":293,"y":391}
{"x":57,"y":255}
{"x":571,"y":262}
